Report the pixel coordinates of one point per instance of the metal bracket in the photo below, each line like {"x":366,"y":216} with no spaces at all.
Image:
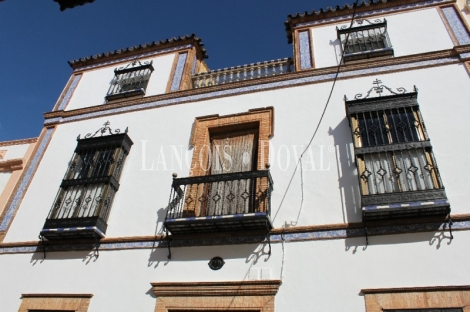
{"x":168,"y":238}
{"x":367,"y":236}
{"x":268,"y":238}
{"x":449,"y":222}
{"x":96,"y":252}
{"x":43,"y":245}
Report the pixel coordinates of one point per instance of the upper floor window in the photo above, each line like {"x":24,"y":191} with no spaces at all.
{"x":84,"y":200}
{"x":364,"y":39}
{"x":394,"y":157}
{"x":130,"y":80}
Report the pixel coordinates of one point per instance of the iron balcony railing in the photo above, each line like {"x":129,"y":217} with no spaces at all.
{"x":232,"y":201}
{"x":242,"y":73}
{"x":130,"y":80}
{"x":365,"y":39}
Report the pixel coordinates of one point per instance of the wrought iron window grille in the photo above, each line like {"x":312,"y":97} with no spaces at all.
{"x":130,"y":80}
{"x":364,"y":39}
{"x":83,"y":202}
{"x":397,"y":171}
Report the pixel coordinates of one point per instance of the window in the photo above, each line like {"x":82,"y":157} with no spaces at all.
{"x":397,"y":171}
{"x":230,"y":186}
{"x":364,"y":39}
{"x":130,"y":80}
{"x":84,"y":200}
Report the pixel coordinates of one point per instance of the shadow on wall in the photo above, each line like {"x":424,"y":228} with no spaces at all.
{"x":337,"y":48}
{"x":87,"y":254}
{"x":436,"y":238}
{"x":348,"y":185}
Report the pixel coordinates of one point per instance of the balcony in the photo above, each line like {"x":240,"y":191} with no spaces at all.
{"x":228,"y":202}
{"x":242,"y":73}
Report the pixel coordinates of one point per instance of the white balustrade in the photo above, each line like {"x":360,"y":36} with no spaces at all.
{"x":243,"y":72}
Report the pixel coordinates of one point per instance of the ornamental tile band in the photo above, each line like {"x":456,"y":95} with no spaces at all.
{"x":456,"y":24}
{"x":175,"y":84}
{"x":69,"y":92}
{"x":260,"y":87}
{"x":275,"y":238}
{"x":305,"y":58}
{"x":25,"y":181}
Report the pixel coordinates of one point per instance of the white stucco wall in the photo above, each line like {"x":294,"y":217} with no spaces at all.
{"x":4,"y":177}
{"x":14,"y":151}
{"x":324,"y":275}
{"x":330,"y":188}
{"x":94,"y":84}
{"x":410,"y":33}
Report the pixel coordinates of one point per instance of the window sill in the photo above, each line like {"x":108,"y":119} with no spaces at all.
{"x":72,"y":228}
{"x":388,"y":52}
{"x":405,"y":205}
{"x":126,"y":94}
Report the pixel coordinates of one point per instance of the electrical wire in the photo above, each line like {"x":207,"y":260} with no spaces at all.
{"x":305,"y":150}
{"x":299,"y":161}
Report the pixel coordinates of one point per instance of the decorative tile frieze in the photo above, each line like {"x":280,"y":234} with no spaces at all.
{"x":305,"y":52}
{"x":464,"y":56}
{"x":253,"y":88}
{"x":458,"y":28}
{"x":65,"y":100}
{"x":340,"y":233}
{"x":175,"y":84}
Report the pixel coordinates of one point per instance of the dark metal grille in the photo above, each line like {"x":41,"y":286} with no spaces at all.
{"x":90,"y":183}
{"x":370,"y":37}
{"x":394,"y":158}
{"x":404,"y":170}
{"x":87,"y":191}
{"x":392,"y":126}
{"x":130,"y":79}
{"x":221,"y":195}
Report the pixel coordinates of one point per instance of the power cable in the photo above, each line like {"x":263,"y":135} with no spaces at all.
{"x":299,"y":161}
{"x":305,"y":150}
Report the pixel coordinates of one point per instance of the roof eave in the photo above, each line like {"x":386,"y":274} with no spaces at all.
{"x":142,"y":48}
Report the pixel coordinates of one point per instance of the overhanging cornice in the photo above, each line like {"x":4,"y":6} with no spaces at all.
{"x":139,"y":49}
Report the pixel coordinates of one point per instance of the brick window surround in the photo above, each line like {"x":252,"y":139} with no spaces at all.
{"x":55,"y":302}
{"x":261,"y":118}
{"x":247,"y":296}
{"x":378,"y":300}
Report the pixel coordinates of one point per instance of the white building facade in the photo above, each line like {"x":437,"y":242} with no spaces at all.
{"x":333,"y":180}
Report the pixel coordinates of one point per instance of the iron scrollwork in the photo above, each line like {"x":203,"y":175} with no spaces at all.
{"x":363,"y":22}
{"x":102,"y":131}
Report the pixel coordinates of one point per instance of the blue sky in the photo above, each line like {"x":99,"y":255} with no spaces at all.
{"x":37,"y":40}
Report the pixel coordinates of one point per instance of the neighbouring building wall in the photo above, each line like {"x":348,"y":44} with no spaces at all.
{"x":14,"y":155}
